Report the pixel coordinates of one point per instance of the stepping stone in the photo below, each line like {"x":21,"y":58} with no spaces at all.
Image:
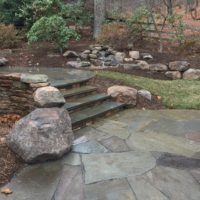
{"x":115,"y":144}
{"x":37,"y":182}
{"x":78,"y":91}
{"x":109,"y":190}
{"x":144,"y":190}
{"x":173,"y":183}
{"x":70,"y":185}
{"x":84,"y":101}
{"x":116,"y":165}
{"x":91,"y":133}
{"x":196,"y":174}
{"x":179,"y":162}
{"x":94,"y":112}
{"x":72,"y":159}
{"x":89,"y":147}
{"x":174,"y":127}
{"x":161,"y":142}
{"x":114,"y":128}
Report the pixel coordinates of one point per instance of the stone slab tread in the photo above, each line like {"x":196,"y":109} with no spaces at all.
{"x":78,"y":91}
{"x":64,"y":83}
{"x":90,"y":99}
{"x":94,"y":112}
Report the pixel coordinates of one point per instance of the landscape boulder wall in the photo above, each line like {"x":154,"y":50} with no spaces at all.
{"x":17,"y":92}
{"x":44,"y":134}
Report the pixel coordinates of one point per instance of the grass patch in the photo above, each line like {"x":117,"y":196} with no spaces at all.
{"x":179,"y":94}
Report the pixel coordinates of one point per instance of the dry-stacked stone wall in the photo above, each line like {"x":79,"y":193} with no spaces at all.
{"x":16,"y":92}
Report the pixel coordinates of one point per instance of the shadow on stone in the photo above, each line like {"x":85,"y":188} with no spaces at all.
{"x":179,"y":162}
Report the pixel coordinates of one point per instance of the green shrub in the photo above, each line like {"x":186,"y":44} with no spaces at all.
{"x":9,"y":11}
{"x":33,"y":11}
{"x":138,"y":23}
{"x":8,"y":36}
{"x":176,"y":24}
{"x":52,"y":29}
{"x":72,"y":12}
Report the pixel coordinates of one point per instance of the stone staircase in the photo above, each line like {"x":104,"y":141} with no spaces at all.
{"x":84,"y":103}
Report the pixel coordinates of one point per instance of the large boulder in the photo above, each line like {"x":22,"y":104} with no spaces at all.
{"x":143,"y":65}
{"x":173,"y":75}
{"x":48,"y":97}
{"x":158,"y":67}
{"x":3,"y":61}
{"x":44,"y":134}
{"x":123,"y":94}
{"x":192,"y":74}
{"x":180,"y":66}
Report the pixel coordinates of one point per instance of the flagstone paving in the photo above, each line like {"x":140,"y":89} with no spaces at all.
{"x":133,"y":155}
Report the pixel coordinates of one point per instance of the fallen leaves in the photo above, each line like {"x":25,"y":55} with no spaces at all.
{"x":159,"y":97}
{"x":9,"y":119}
{"x":2,"y":140}
{"x":6,"y":191}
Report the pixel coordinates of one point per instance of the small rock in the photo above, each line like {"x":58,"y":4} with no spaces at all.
{"x":146,"y":56}
{"x":134,"y":54}
{"x":158,"y":67}
{"x":95,"y":52}
{"x":131,"y":66}
{"x":77,"y":64}
{"x":119,"y":56}
{"x":179,"y":66}
{"x":192,"y":74}
{"x":123,"y":94}
{"x":96,"y":62}
{"x":146,"y":94}
{"x":44,"y":134}
{"x":84,"y":56}
{"x":70,"y":54}
{"x":86,"y":52}
{"x":98,"y":48}
{"x":85,"y":64}
{"x":3,"y":61}
{"x":34,"y":78}
{"x":93,"y":56}
{"x":128,"y":59}
{"x":173,"y":75}
{"x":143,"y":65}
{"x":47,"y":97}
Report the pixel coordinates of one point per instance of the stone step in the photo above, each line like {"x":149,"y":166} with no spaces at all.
{"x":73,"y":105}
{"x":80,"y":118}
{"x":62,"y":84}
{"x":78,"y":91}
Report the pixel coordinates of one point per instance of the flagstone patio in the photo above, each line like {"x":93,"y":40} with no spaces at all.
{"x":133,"y":155}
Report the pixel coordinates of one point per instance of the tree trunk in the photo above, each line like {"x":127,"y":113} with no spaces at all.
{"x":99,"y":16}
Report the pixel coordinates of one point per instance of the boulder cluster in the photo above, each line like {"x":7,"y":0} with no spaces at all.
{"x":45,"y":133}
{"x":127,"y":94}
{"x":104,"y":57}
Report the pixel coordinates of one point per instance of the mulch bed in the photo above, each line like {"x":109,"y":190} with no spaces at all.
{"x":103,"y":84}
{"x":9,"y":162}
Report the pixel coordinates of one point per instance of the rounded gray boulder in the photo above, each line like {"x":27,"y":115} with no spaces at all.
{"x":44,"y":134}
